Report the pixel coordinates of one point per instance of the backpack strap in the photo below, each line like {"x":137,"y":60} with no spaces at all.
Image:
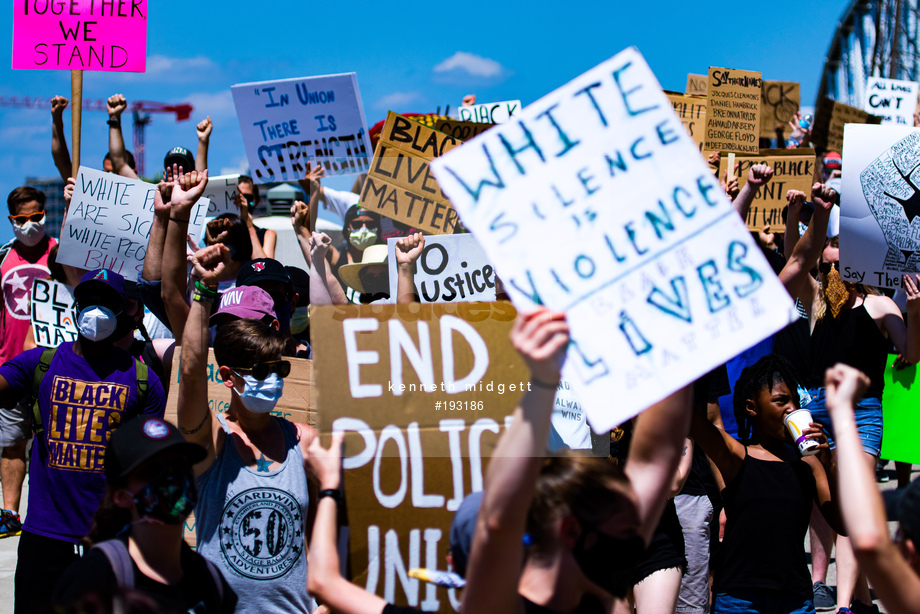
{"x":142,"y":383}
{"x":120,"y":560}
{"x":5,"y":249}
{"x":44,"y":363}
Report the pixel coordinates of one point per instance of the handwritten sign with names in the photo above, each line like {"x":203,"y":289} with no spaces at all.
{"x":54,"y":319}
{"x":596,"y":202}
{"x":452,"y":268}
{"x":221,"y":192}
{"x":108,"y":223}
{"x":893,"y":100}
{"x":733,"y":101}
{"x":490,"y":113}
{"x":80,"y":35}
{"x":290,"y":122}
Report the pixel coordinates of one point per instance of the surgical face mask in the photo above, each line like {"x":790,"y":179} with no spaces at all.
{"x":168,"y":498}
{"x":97,"y":323}
{"x":610,"y":562}
{"x":300,"y":320}
{"x":30,"y":233}
{"x":260,"y":396}
{"x":363,"y":238}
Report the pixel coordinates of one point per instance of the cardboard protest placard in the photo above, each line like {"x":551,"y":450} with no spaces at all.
{"x":108,"y":223}
{"x":692,"y":113}
{"x":291,"y":122}
{"x":221,"y":192}
{"x":830,"y":118}
{"x":297,"y":402}
{"x":696,"y":85}
{"x":601,"y":206}
{"x":451,"y":268}
{"x":893,"y":100}
{"x":460,"y":130}
{"x":399,"y":184}
{"x":780,"y":101}
{"x":54,"y":319}
{"x":422,"y":393}
{"x":900,"y":421}
{"x":793,"y":169}
{"x":879,"y":208}
{"x":490,"y":113}
{"x":80,"y":35}
{"x":733,"y":111}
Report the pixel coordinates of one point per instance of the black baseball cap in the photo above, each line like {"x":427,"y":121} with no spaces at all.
{"x":263,"y":269}
{"x":142,"y":438}
{"x":903,"y":505}
{"x":101,"y":287}
{"x":301,"y":281}
{"x":181,"y":156}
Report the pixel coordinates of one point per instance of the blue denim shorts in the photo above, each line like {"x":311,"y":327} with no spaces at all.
{"x":868,"y":420}
{"x":761,"y":602}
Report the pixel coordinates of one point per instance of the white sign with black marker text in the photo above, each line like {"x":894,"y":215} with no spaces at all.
{"x":54,"y":320}
{"x":451,"y":268}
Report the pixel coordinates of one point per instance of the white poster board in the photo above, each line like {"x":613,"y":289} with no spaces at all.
{"x":893,"y":100}
{"x":221,"y":191}
{"x":108,"y":223}
{"x":490,"y":113}
{"x":290,"y":122}
{"x":596,"y":202}
{"x":452,"y":268}
{"x":54,"y":320}
{"x":880,"y":204}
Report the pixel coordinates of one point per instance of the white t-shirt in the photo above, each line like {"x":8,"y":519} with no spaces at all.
{"x":569,"y":421}
{"x":339,"y":202}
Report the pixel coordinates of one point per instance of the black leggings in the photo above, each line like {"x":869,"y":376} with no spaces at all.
{"x":42,"y":561}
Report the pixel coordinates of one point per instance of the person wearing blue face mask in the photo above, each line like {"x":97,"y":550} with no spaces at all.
{"x":253,"y":478}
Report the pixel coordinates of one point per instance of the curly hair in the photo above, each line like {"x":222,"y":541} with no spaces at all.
{"x":770,"y":370}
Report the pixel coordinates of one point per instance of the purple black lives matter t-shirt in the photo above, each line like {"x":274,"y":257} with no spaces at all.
{"x":80,"y":404}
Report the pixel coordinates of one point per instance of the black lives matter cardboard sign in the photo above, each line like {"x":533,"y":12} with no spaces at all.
{"x":400,"y":185}
{"x":422,"y":392}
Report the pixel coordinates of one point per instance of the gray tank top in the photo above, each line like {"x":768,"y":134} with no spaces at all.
{"x":251,"y":525}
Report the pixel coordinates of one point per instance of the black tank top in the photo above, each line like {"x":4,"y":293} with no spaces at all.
{"x":768,"y":507}
{"x":854,"y":339}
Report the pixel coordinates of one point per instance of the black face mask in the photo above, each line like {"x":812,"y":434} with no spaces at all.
{"x":611,"y":562}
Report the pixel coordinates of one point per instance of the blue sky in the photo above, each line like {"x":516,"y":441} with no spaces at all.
{"x":413,"y":58}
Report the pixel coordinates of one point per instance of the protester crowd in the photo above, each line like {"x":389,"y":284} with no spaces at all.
{"x":695,"y":509}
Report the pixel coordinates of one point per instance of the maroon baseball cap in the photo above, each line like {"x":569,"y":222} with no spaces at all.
{"x":251,"y":302}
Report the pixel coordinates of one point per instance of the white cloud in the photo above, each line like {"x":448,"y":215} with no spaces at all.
{"x":159,"y":65}
{"x":219,"y":105}
{"x":471,"y":64}
{"x":167,"y":70}
{"x":397,"y":99}
{"x":240,"y":167}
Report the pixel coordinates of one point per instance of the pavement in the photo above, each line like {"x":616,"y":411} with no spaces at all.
{"x":8,"y":547}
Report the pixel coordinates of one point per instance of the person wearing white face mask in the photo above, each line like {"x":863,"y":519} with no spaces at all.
{"x":253,"y":498}
{"x":22,"y":261}
{"x":84,"y":390}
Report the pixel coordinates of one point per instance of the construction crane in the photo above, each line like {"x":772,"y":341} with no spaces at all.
{"x":140,"y":110}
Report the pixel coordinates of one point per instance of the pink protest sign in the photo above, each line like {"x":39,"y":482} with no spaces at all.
{"x":80,"y":35}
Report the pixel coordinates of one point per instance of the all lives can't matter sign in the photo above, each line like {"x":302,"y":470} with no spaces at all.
{"x":80,"y":35}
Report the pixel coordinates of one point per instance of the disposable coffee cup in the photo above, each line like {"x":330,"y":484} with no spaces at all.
{"x":798,"y":422}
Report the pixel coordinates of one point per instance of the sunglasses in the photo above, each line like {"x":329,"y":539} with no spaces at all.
{"x":19,"y":220}
{"x":825,"y":267}
{"x":264,"y":369}
{"x":357,"y":224}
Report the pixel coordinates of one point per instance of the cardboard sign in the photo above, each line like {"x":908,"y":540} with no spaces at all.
{"x":879,"y":208}
{"x":54,"y":319}
{"x":108,"y":223}
{"x":597,"y":203}
{"x":221,"y":192}
{"x":452,"y":268}
{"x":296,"y":404}
{"x":696,"y":85}
{"x":423,"y":393}
{"x":893,"y":100}
{"x":793,"y":169}
{"x":830,"y":118}
{"x":900,"y":421}
{"x":400,"y":185}
{"x":460,"y":130}
{"x":780,"y":101}
{"x":692,"y":113}
{"x":733,"y":111}
{"x":290,"y":122}
{"x":80,"y":35}
{"x":491,"y":113}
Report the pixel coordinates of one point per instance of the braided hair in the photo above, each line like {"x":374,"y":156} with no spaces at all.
{"x":770,"y":370}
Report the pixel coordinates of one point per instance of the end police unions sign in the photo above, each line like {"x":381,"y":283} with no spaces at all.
{"x":80,"y":35}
